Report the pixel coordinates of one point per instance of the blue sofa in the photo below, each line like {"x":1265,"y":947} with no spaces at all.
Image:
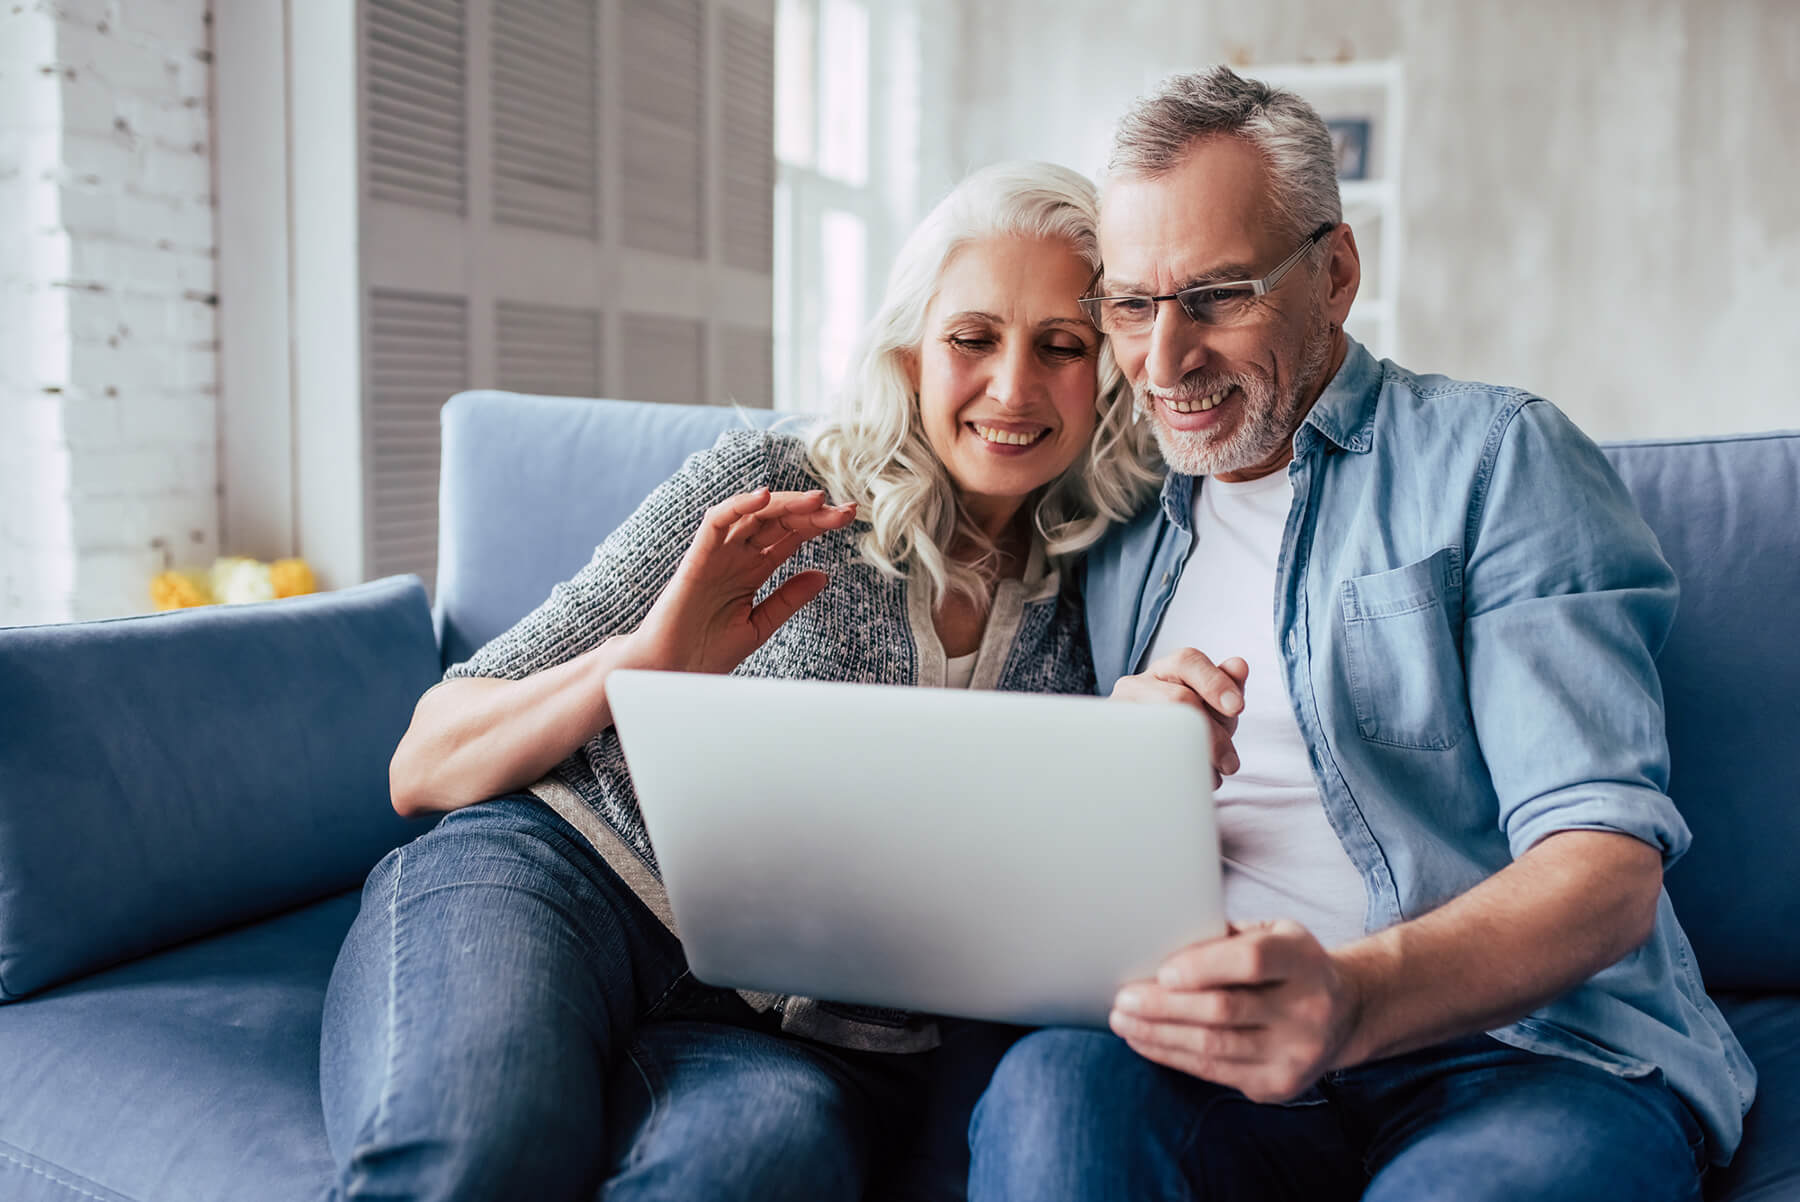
{"x":188,"y":802}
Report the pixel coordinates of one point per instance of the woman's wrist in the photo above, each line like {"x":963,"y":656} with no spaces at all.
{"x":631,"y":650}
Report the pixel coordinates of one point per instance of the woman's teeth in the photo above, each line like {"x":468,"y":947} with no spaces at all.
{"x":1011,"y":438}
{"x":1199,"y":406}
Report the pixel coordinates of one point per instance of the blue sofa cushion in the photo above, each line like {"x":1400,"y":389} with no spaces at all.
{"x":166,"y":776}
{"x":191,"y":1075}
{"x":1724,"y":511}
{"x":531,"y":485}
{"x":1767,"y":1165}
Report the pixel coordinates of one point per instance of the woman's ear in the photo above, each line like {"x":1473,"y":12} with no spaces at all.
{"x":909,"y":367}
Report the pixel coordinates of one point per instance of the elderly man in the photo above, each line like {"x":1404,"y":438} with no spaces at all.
{"x":1422,"y":615}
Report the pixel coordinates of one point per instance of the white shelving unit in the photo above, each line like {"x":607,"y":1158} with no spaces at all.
{"x":1374,"y":91}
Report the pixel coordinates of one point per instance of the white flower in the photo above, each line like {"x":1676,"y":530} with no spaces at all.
{"x":236,"y":580}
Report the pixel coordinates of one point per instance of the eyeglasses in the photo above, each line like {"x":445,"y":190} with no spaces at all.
{"x":1208,"y":304}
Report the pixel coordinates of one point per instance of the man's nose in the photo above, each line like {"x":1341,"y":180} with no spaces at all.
{"x":1177,"y":347}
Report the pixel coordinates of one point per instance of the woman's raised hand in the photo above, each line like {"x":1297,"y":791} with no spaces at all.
{"x":706,"y":619}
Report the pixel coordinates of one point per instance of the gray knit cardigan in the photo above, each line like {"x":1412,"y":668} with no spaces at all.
{"x":866,"y":627}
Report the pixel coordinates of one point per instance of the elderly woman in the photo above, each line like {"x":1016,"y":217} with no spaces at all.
{"x":511,"y":1015}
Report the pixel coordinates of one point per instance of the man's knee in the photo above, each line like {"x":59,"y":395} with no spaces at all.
{"x":753,"y":1129}
{"x":1058,"y":1106}
{"x":1054,"y":1077}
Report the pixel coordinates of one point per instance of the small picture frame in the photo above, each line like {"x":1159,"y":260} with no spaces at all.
{"x":1350,"y":142}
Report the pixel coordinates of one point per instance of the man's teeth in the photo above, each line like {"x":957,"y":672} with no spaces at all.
{"x":1012,"y":438}
{"x":1199,"y":406}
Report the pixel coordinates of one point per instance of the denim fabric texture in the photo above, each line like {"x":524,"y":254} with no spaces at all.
{"x":1468,"y":609}
{"x":1077,"y":1114}
{"x":506,"y":1020}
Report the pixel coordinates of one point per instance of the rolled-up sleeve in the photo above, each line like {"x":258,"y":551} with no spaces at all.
{"x":1567,"y":601}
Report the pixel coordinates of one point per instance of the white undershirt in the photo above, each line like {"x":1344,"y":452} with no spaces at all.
{"x":1282,"y":859}
{"x":959,"y":670}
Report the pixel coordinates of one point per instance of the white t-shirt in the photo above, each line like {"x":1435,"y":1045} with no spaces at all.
{"x":1282,"y":859}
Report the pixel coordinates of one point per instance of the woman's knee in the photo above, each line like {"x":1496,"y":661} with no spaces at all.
{"x":480,"y":977}
{"x":540,"y":1147}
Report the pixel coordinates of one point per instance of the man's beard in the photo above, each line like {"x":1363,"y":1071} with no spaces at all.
{"x":1265,"y":422}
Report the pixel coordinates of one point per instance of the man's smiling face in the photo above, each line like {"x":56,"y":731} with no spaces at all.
{"x":1225,"y":399}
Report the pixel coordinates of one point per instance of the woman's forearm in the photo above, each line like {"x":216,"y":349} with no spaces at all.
{"x":473,"y":738}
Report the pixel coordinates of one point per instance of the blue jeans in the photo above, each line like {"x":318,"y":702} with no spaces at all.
{"x":507,"y":1020}
{"x":1077,"y":1114}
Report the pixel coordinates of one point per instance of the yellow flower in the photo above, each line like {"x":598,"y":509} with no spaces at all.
{"x":291,"y":578}
{"x":179,"y":590}
{"x":232,"y":578}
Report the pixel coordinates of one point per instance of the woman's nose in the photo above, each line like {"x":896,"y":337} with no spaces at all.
{"x":1014,"y":379}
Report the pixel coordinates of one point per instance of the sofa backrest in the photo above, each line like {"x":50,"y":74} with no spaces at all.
{"x":1727,"y":512}
{"x":531,"y":484}
{"x":166,"y":776}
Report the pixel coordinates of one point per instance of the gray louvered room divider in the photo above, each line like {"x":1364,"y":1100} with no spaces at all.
{"x":560,"y":196}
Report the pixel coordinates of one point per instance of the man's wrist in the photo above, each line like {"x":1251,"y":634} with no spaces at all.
{"x":1364,"y":969}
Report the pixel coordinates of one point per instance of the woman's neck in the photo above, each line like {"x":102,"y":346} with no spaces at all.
{"x":961,"y":620}
{"x":1008,"y":530}
{"x":1007,"y":552}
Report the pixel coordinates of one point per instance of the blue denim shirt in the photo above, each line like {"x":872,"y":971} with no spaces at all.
{"x":1468,"y":609}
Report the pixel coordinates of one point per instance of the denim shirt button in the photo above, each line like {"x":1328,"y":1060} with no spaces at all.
{"x":1292,"y":643}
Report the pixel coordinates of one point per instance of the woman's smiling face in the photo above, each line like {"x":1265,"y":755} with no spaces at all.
{"x":1007,"y":372}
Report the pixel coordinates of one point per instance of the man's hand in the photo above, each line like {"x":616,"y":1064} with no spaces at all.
{"x":1188,"y":677}
{"x":1265,"y":1010}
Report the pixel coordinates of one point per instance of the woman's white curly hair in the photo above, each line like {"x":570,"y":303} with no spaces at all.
{"x":875,"y":453}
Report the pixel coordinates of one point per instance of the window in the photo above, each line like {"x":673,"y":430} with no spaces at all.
{"x":846,"y":121}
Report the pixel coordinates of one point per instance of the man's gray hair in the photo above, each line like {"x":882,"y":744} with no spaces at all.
{"x":1160,"y":129}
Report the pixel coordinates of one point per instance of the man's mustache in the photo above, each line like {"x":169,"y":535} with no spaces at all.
{"x":1195,"y":387}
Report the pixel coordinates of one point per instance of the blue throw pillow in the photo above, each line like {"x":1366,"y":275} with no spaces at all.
{"x":163,"y":777}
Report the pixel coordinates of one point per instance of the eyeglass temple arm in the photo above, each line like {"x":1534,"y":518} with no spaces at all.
{"x":1269,"y":281}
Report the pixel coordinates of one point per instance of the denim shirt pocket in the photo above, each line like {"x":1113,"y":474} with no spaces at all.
{"x":1403,"y":653}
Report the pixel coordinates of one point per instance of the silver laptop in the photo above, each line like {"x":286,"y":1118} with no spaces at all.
{"x":990,"y":855}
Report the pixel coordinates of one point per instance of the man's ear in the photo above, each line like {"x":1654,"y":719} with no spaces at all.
{"x":1343,"y":274}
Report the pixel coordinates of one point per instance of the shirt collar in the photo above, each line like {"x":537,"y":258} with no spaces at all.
{"x":1343,"y":416}
{"x":1345,"y":412}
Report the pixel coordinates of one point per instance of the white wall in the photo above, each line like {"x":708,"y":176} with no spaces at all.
{"x":107,"y":332}
{"x":37,"y":567}
{"x":1599,"y":199}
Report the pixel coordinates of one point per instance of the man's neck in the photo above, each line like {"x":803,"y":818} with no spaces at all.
{"x":1284,"y":454}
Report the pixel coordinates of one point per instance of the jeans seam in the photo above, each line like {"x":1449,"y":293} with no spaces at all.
{"x":662,"y":998}
{"x":390,"y":1074}
{"x":53,"y":1178}
{"x":641,"y":1140}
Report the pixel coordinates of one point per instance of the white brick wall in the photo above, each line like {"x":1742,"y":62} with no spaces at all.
{"x":108,"y":335}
